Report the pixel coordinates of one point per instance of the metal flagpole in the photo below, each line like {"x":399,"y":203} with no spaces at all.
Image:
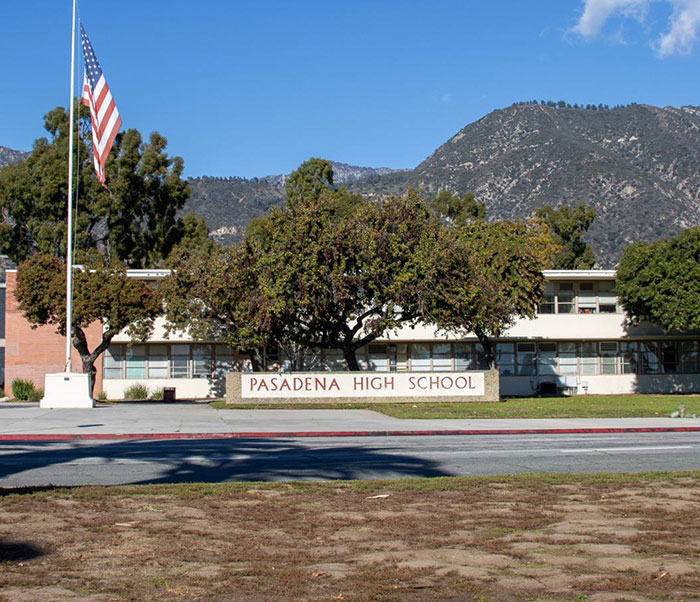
{"x":69,"y":245}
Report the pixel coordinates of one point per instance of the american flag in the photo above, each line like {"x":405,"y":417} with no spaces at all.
{"x":103,"y":112}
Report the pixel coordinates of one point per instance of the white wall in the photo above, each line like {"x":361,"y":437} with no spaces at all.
{"x":185,"y":388}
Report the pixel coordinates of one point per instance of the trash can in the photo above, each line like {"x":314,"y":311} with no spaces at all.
{"x":169,"y":394}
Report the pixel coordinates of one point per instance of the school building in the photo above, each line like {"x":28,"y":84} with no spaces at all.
{"x":580,"y":342}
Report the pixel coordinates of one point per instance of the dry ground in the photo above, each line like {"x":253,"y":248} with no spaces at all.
{"x":597,"y":538}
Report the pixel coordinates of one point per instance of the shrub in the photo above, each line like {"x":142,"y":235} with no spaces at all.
{"x":157,"y":394}
{"x":136,"y":391}
{"x":101,"y":396}
{"x":36,"y":395}
{"x":22,"y":389}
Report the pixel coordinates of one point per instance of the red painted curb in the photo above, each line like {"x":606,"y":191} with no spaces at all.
{"x":281,"y":435}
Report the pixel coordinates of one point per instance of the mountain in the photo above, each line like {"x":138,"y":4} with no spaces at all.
{"x":229,"y":204}
{"x":637,"y":165}
{"x":7,"y":156}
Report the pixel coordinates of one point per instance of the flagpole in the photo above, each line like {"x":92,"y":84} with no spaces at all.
{"x":69,"y":245}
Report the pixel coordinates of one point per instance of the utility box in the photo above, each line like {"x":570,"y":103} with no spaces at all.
{"x":169,"y":394}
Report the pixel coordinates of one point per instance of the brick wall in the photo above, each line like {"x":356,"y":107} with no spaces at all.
{"x":33,"y":353}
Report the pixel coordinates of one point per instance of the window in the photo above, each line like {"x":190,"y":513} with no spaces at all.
{"x":607,"y":301}
{"x":179,"y":361}
{"x":588,"y":358}
{"x":481,"y":361}
{"x":136,"y":361}
{"x":114,"y":357}
{"x":526,"y":359}
{"x":420,"y":357}
{"x":312,"y":360}
{"x":565,"y":298}
{"x":547,"y":358}
{"x":629,"y":356}
{"x":463,"y":357}
{"x":201,"y":361}
{"x":334,"y":360}
{"x":442,"y":357}
{"x":689,"y":357}
{"x":608,"y":357}
{"x":158,"y":361}
{"x":505,"y":358}
{"x":649,"y":351}
{"x":568,"y":364}
{"x":547,"y":305}
{"x":378,"y":358}
{"x":225,"y":360}
{"x":586,"y":298}
{"x":668,"y":357}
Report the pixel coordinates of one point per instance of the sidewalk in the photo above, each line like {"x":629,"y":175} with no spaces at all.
{"x":183,"y":420}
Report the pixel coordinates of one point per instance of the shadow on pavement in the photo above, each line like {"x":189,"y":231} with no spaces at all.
{"x":212,"y":460}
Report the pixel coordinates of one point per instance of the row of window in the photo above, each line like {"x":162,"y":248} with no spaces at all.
{"x":513,"y":358}
{"x":581,"y":297}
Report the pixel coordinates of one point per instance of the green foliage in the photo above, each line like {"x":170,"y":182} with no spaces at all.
{"x":660,"y":281}
{"x":24,"y":390}
{"x":568,"y":226}
{"x":136,"y":222}
{"x":157,"y":394}
{"x":104,"y":295}
{"x":309,"y":181}
{"x":36,"y":395}
{"x":136,"y":392}
{"x":101,"y":396}
{"x":455,"y":210}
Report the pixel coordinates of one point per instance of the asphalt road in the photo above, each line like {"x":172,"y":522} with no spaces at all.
{"x":25,"y":464}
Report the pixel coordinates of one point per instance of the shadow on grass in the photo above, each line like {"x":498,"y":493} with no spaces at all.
{"x":37,"y":464}
{"x":18,"y":551}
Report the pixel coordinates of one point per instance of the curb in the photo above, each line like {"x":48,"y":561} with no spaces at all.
{"x":296,"y":434}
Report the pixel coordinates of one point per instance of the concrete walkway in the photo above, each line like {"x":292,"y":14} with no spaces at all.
{"x":26,"y":421}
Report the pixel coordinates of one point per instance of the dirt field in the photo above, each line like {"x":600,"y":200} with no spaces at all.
{"x":522,"y":538}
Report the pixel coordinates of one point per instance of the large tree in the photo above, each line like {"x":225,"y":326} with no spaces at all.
{"x":660,"y":281}
{"x":136,"y":222}
{"x":102,"y":295}
{"x":455,"y":210}
{"x":568,"y":226}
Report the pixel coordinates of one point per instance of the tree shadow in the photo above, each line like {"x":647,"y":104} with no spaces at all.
{"x":25,"y":464}
{"x":18,"y":551}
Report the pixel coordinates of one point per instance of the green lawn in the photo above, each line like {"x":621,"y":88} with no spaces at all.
{"x":578,"y":406}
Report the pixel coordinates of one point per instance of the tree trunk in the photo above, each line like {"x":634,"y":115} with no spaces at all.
{"x":86,"y":358}
{"x":255,"y":360}
{"x":351,"y":359}
{"x":488,"y":347}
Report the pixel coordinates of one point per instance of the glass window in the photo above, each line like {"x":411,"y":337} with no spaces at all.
{"x":588,"y":358}
{"x":481,"y":361}
{"x":586,"y":298}
{"x":607,"y":301}
{"x":442,"y":357}
{"x":114,"y":358}
{"x":201,"y":361}
{"x":334,"y":360}
{"x":378,"y":358}
{"x":547,"y":358}
{"x":225,"y":360}
{"x":526,"y":358}
{"x":565,"y":298}
{"x":179,"y":361}
{"x":463,"y":357}
{"x":547,"y":305}
{"x":136,"y":361}
{"x":689,"y":357}
{"x":312,"y":360}
{"x":608,"y":357}
{"x":420,"y":357}
{"x":649,"y":351}
{"x":505,"y":358}
{"x":568,"y":363}
{"x":629,"y":357}
{"x":158,"y":361}
{"x":668,"y":357}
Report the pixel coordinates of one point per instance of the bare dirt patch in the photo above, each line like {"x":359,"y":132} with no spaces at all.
{"x":521,"y":538}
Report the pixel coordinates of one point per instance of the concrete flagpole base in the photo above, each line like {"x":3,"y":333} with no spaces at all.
{"x":67,"y":390}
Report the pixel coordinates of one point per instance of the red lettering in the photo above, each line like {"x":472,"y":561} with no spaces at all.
{"x":298,"y":383}
{"x":307,"y":383}
{"x":285,"y":385}
{"x":389,"y":382}
{"x":263,"y":385}
{"x":253,"y":382}
{"x":357,"y":381}
{"x":446,"y":378}
{"x":464,"y":382}
{"x":411,"y":383}
{"x":418,"y":382}
{"x":273,"y":384}
{"x":320,"y":384}
{"x":373,"y":383}
{"x":435,"y":380}
{"x":334,"y":385}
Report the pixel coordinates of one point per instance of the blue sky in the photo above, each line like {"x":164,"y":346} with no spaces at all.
{"x":255,"y":88}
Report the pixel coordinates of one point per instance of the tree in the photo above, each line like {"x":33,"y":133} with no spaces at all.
{"x":105,"y":295}
{"x":568,"y":226}
{"x":485,"y":276}
{"x":660,"y":281}
{"x":330,"y":270}
{"x":455,"y":210}
{"x":135,"y":223}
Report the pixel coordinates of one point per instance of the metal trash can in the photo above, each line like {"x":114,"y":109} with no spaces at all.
{"x":169,"y":394}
